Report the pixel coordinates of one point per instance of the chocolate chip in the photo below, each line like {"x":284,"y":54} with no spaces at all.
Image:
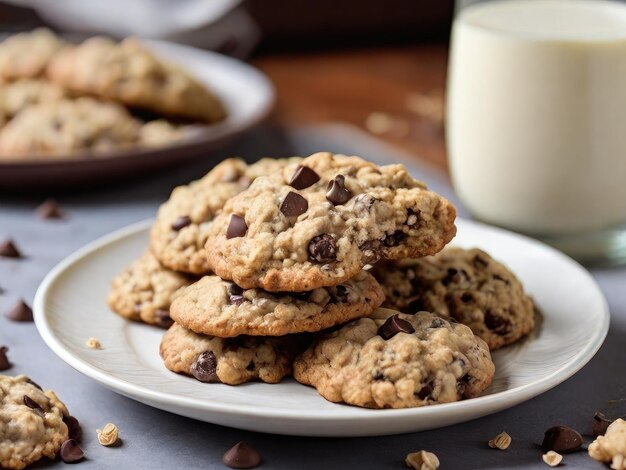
{"x":466,"y":298}
{"x":337,"y":193}
{"x":298,"y":295}
{"x":496,"y":323}
{"x":454,"y":276}
{"x":425,"y":391}
{"x":241,"y":455}
{"x":32,"y":404}
{"x":561,"y":439}
{"x":437,"y":323}
{"x":73,"y":427}
{"x":9,"y":250}
{"x":162,"y":318}
{"x":323,"y":248}
{"x":341,"y":293}
{"x":371,"y":251}
{"x":71,"y":451}
{"x":205,"y":368}
{"x":501,"y":279}
{"x":235,"y":294}
{"x":378,"y":376}
{"x":4,"y":360}
{"x":303,"y":177}
{"x":480,"y":262}
{"x":237,"y":227}
{"x":394,"y":325}
{"x":293,"y":205}
{"x":415,"y":306}
{"x":394,"y":239}
{"x":181,"y":222}
{"x":20,"y":312}
{"x":49,"y":209}
{"x":600,"y":424}
{"x":250,"y":366}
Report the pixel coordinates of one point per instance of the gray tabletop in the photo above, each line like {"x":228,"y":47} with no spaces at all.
{"x":160,"y":440}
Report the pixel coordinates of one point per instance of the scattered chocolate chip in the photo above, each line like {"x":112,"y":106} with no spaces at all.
{"x":303,"y":177}
{"x":293,"y":205}
{"x":235,"y":294}
{"x":49,"y":209}
{"x":394,"y":239}
{"x":237,"y":227}
{"x":205,"y":368}
{"x":323,"y":248}
{"x":32,"y":404}
{"x":496,"y":323}
{"x":371,"y":251}
{"x":9,"y":250}
{"x":600,"y":424}
{"x":480,"y":262}
{"x":250,"y":366}
{"x":412,"y":217}
{"x":71,"y":451}
{"x":466,"y":298}
{"x":337,"y":193}
{"x":454,"y":276}
{"x":378,"y":376}
{"x":561,"y":439}
{"x":20,"y":312}
{"x":181,"y":222}
{"x":4,"y":360}
{"x":162,"y":318}
{"x":501,"y":279}
{"x":394,"y":325}
{"x":425,"y":391}
{"x":73,"y":427}
{"x":241,"y":455}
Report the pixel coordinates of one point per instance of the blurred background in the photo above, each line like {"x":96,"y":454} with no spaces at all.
{"x":378,"y":65}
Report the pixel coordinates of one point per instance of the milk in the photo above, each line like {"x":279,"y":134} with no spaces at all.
{"x":536,"y":126}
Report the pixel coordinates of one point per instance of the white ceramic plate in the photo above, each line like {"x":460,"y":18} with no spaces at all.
{"x":246,"y":93}
{"x":70,"y":307}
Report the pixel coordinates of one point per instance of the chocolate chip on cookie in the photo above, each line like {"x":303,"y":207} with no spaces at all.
{"x":235,"y":294}
{"x":162,"y":318}
{"x":71,"y":451}
{"x":303,"y":177}
{"x":181,"y":222}
{"x":204,"y":367}
{"x":323,"y":248}
{"x":337,"y":193}
{"x":294,"y":205}
{"x":394,"y":325}
{"x":237,"y":227}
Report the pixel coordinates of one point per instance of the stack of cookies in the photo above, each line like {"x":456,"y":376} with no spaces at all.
{"x":57,"y":98}
{"x":264,"y":270}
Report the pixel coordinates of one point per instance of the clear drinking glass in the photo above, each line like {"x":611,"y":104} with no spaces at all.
{"x":536,"y":120}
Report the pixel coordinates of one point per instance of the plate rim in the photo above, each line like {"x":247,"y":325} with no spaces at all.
{"x":481,"y":405}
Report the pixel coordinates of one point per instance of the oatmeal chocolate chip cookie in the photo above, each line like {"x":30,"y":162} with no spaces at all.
{"x":145,"y":290}
{"x":216,"y":307}
{"x":31,"y":422}
{"x":319,"y":223}
{"x":18,"y":95}
{"x":394,"y":360}
{"x":26,"y":55}
{"x":181,"y":228}
{"x":467,"y":286}
{"x":232,"y":361}
{"x":611,"y":448}
{"x":129,"y":73}
{"x":68,"y":126}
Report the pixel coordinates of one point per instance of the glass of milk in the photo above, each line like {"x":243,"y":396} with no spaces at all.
{"x":536,"y":120}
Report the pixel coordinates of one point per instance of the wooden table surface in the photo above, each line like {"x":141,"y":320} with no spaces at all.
{"x":395,"y":92}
